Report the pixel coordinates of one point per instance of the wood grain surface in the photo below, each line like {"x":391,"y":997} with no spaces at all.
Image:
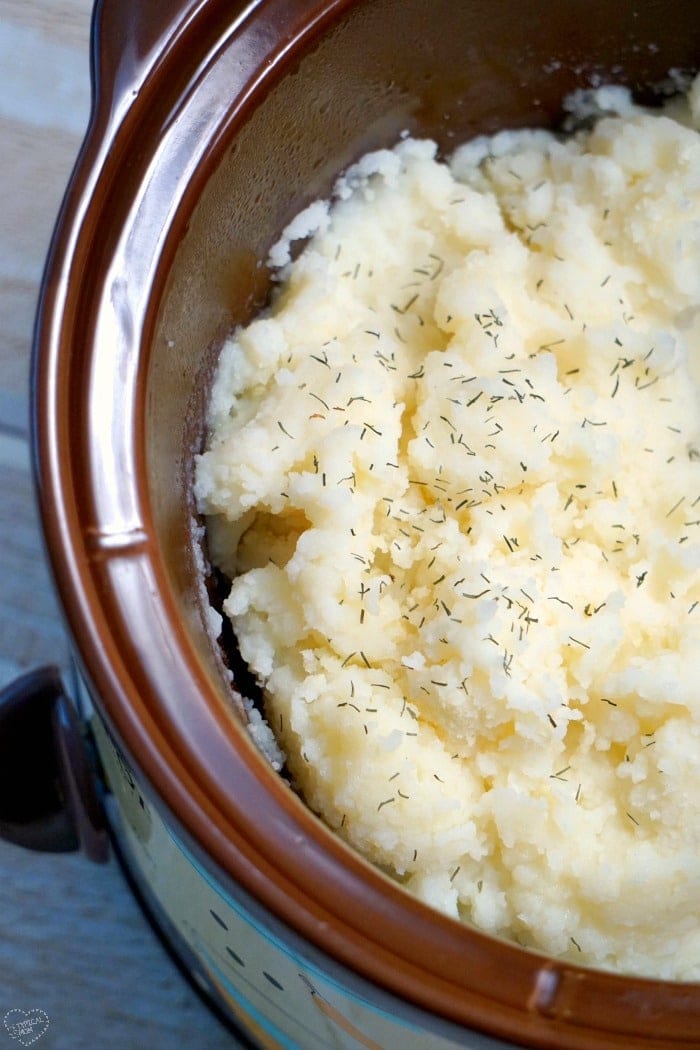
{"x":73,"y":942}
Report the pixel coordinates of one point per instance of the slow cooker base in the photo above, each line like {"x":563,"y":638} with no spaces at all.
{"x":175,"y":946}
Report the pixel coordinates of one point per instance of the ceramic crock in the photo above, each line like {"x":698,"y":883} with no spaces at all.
{"x":214,"y":122}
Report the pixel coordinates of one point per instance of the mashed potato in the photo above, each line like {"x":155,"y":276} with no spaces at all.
{"x":454,"y":475}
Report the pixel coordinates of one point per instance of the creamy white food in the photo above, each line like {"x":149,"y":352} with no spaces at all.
{"x":454,"y":475}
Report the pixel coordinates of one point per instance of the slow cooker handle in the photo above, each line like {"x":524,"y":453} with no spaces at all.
{"x":48,"y":795}
{"x":127,"y":37}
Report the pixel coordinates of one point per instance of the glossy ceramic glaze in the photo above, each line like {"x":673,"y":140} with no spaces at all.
{"x":214,"y":123}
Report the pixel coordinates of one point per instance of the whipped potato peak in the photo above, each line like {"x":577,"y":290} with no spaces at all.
{"x":453,"y":473}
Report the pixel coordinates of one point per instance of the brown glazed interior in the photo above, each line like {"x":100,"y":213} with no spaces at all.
{"x":214,"y":122}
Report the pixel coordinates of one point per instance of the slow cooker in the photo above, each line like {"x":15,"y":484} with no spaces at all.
{"x":213,"y":123}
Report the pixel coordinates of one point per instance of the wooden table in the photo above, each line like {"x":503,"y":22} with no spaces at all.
{"x":73,"y":942}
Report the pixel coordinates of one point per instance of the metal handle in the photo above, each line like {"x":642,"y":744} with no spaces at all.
{"x":48,"y":795}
